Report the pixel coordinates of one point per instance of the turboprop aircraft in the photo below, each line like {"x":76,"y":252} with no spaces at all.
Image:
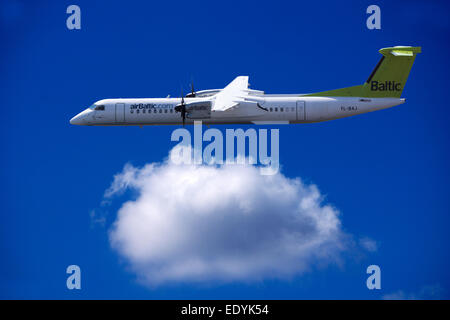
{"x":237,"y":104}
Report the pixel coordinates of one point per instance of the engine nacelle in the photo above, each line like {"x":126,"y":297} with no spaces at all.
{"x":198,"y":110}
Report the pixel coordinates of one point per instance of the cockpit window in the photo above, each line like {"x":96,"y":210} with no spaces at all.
{"x":97,"y":107}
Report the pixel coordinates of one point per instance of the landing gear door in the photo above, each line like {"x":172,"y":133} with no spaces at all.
{"x":300,"y":110}
{"x":120,"y":112}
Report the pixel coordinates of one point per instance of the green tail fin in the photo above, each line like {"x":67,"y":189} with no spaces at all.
{"x":388,"y":78}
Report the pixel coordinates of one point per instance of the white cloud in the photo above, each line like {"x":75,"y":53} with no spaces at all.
{"x":192,"y":223}
{"x":368,"y":244}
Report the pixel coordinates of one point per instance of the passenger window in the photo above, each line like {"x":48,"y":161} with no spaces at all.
{"x":143,"y":111}
{"x":276,"y":109}
{"x":160,"y":110}
{"x":271,"y":109}
{"x":165,"y":111}
{"x":281,"y":109}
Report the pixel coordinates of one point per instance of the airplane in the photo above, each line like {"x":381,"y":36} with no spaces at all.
{"x":237,"y":104}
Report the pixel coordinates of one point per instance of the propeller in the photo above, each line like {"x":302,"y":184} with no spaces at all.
{"x":192,"y":94}
{"x":181,"y":108}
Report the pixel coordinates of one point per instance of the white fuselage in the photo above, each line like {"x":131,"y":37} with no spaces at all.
{"x":272,"y":109}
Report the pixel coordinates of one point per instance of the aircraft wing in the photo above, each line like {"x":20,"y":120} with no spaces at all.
{"x":231,"y":95}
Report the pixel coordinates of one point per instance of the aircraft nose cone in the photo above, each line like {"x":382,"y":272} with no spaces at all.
{"x":83,"y":118}
{"x":76,"y":120}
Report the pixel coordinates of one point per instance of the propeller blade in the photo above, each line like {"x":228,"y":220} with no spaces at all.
{"x":182,"y":108}
{"x":192,"y":94}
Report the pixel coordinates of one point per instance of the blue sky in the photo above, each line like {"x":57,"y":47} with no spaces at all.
{"x":386,"y":172}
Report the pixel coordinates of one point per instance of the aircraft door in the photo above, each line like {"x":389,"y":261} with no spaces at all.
{"x":300,"y":110}
{"x":120,"y":112}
